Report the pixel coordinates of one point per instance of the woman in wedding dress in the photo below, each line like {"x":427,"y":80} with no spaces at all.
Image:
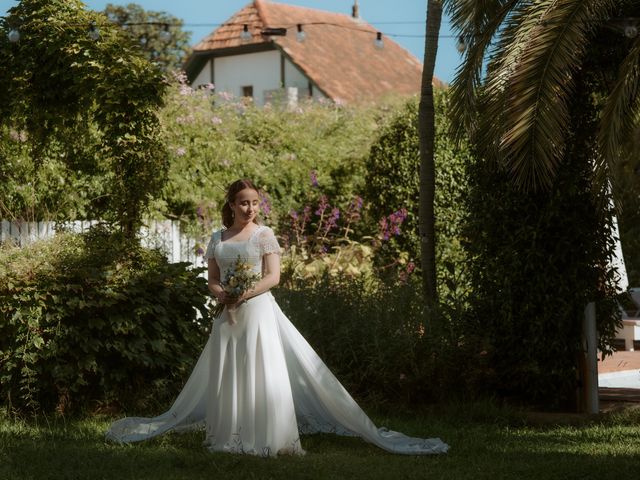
{"x":258,"y":384}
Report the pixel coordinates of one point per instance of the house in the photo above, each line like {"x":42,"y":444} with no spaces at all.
{"x":269,"y":49}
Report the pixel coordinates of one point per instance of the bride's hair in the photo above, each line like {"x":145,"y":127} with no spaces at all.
{"x":232,"y":191}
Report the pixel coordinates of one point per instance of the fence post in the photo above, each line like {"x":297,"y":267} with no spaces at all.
{"x":590,"y":398}
{"x":175,"y":242}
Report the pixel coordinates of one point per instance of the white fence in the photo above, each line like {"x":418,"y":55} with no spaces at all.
{"x":164,"y":235}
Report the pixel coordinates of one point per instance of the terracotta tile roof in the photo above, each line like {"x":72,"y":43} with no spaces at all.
{"x":338,"y":54}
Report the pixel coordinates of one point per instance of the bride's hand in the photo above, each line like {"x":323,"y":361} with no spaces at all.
{"x":226,"y":299}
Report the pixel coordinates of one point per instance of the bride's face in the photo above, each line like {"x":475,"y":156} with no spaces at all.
{"x":246,"y":205}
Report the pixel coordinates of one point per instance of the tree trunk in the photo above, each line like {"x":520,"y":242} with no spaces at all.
{"x":426,"y":127}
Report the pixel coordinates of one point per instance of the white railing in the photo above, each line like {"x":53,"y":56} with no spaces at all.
{"x":165,"y":235}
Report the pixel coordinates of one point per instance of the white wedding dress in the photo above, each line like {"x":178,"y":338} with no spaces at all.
{"x":258,"y":384}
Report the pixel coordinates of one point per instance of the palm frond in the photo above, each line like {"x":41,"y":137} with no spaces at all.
{"x":477,"y":23}
{"x":532,"y":84}
{"x":620,"y":112}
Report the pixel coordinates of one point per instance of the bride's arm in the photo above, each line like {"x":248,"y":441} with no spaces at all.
{"x":214,"y":280}
{"x":270,"y":279}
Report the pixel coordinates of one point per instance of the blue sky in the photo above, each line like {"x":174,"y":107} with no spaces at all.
{"x":404,"y":18}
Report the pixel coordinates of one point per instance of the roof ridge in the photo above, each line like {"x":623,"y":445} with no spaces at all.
{"x":262,"y":11}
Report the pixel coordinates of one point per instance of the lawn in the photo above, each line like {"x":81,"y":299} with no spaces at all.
{"x":486,"y":442}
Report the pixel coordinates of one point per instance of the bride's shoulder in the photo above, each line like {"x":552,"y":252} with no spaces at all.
{"x":216,"y":236}
{"x":264,"y":231}
{"x":267,"y":241}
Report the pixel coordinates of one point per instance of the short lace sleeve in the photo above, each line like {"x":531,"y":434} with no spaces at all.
{"x":267,"y":242}
{"x":215,"y":239}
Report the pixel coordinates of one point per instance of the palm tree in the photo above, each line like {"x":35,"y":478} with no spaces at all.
{"x":426,"y":128}
{"x":547,"y":91}
{"x":514,"y":89}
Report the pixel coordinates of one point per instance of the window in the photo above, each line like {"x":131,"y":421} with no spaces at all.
{"x":247,"y":91}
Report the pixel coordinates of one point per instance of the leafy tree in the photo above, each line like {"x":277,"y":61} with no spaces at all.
{"x":159,"y":34}
{"x":86,"y":97}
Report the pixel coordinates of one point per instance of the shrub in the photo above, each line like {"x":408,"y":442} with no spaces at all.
{"x":370,"y":334}
{"x":95,"y":318}
{"x":392,"y":181}
{"x":214,"y":139}
{"x":100,"y":116}
{"x":536,"y":260}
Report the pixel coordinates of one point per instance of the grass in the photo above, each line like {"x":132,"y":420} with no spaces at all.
{"x":486,"y":442}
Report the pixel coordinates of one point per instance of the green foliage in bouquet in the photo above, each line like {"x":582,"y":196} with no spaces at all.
{"x":92,"y":319}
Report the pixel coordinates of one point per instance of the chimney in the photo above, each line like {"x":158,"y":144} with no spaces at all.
{"x":355,"y":11}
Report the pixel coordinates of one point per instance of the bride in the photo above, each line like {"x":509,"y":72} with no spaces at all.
{"x":258,"y":384}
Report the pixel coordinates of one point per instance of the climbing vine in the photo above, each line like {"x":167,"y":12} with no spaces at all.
{"x":75,"y":85}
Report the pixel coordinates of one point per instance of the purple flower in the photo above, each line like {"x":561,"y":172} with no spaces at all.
{"x":200,"y":251}
{"x":411,"y":267}
{"x":265,"y":204}
{"x":314,"y":178}
{"x":306,"y":213}
{"x":294,"y":215}
{"x":200,"y":212}
{"x":322,"y":206}
{"x":390,"y":225}
{"x":382,"y":224}
{"x":353,"y":211}
{"x":332,"y":221}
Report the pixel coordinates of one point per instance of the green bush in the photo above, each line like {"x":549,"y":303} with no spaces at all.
{"x":626,"y":186}
{"x":536,"y":260}
{"x":371,"y":335}
{"x":83,"y":106}
{"x":392,"y":183}
{"x":213,"y":140}
{"x":96,"y":318}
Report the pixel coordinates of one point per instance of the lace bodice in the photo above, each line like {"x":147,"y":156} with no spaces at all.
{"x":261,"y":242}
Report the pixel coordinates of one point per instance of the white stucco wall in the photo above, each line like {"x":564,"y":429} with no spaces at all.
{"x":260,"y":70}
{"x":204,"y":77}
{"x":295,"y":78}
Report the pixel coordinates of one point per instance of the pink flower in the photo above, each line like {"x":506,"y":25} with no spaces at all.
{"x":216,"y":120}
{"x":181,"y":151}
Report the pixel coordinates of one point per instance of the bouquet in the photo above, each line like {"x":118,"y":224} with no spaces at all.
{"x":238,"y":279}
